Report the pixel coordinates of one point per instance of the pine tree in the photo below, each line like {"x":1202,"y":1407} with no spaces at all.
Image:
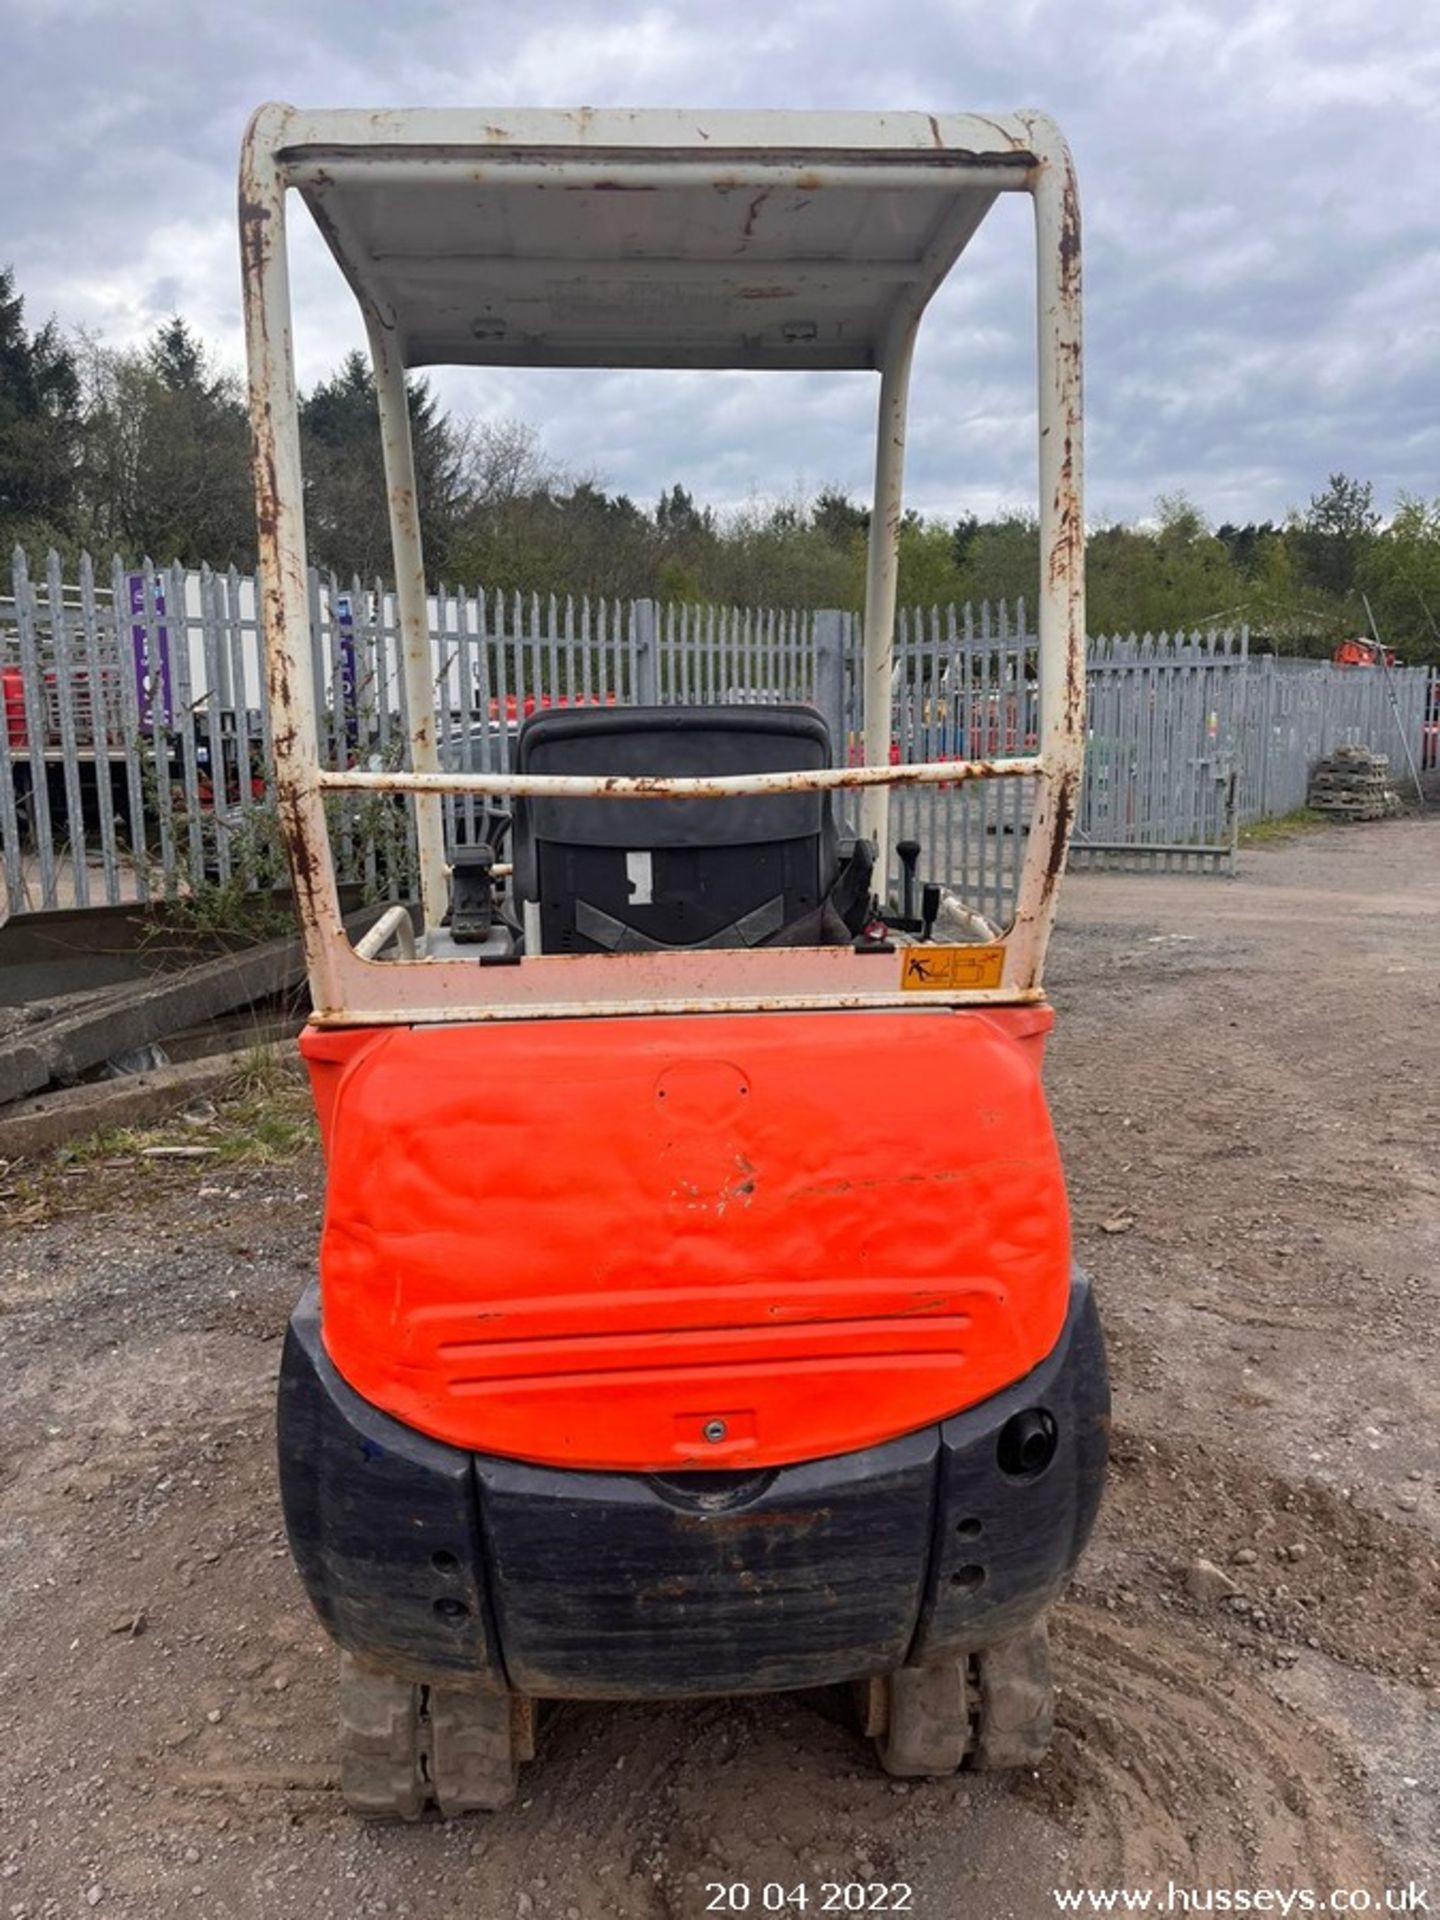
{"x":39,"y":426}
{"x":346,"y":511}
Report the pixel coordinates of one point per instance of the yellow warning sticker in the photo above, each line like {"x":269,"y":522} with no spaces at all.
{"x":950,"y":969}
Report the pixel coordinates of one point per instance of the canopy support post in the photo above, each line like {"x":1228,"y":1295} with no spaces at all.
{"x":882,"y":568}
{"x":413,"y":608}
{"x":1061,"y":626}
{"x":284,"y":599}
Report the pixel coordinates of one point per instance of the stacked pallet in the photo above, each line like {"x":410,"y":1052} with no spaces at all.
{"x":1354,"y":784}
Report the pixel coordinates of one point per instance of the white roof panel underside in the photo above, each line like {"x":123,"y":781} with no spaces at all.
{"x":649,"y":238}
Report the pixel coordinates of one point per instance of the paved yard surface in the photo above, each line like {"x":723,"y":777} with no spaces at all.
{"x":1247,"y":1080}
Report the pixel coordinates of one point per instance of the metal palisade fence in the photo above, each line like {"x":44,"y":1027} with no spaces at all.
{"x":1165,"y":720}
{"x":134,"y":749}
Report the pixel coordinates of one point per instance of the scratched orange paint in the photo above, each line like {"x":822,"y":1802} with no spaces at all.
{"x":731,"y":1241}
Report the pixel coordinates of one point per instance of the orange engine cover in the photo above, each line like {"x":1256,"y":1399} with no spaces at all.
{"x":730,"y":1240}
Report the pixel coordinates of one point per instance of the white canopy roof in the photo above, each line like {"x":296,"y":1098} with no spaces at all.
{"x":691,"y":239}
{"x":673,"y":239}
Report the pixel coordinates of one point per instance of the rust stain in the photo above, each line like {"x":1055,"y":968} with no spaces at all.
{"x":1069,"y":237}
{"x":1065,"y":558}
{"x":255,"y":254}
{"x":1066,"y":554}
{"x":659,"y":786}
{"x":256,"y":246}
{"x":752,"y":213}
{"x":411,"y":1015}
{"x":1010,"y":145}
{"x":1064,"y":804}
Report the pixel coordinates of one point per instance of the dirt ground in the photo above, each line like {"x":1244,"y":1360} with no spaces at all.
{"x":1246,"y":1076}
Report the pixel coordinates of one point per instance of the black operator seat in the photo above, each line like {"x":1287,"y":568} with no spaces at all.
{"x":627,"y":876}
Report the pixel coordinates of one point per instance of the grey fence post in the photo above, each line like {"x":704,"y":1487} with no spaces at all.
{"x":37,"y":721}
{"x":15,"y":901}
{"x":1267,"y":692}
{"x":830,"y":675}
{"x":647,"y":655}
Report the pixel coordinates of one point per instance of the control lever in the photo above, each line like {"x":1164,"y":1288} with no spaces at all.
{"x":909,"y":852}
{"x":929,"y":909}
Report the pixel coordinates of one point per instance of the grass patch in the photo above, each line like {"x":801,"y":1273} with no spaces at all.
{"x":265,"y":1115}
{"x":1302,"y":820}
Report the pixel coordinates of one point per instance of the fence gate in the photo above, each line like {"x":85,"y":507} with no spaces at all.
{"x":1162,"y":754}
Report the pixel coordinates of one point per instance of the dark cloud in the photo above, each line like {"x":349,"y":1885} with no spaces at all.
{"x":1263,"y":267}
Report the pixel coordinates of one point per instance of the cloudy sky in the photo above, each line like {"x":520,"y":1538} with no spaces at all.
{"x":1259,"y":183}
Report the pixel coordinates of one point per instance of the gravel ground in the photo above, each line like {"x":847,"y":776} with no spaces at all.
{"x":1246,"y":1077}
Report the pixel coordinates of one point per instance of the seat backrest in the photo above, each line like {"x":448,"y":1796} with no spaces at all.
{"x":615,"y":876}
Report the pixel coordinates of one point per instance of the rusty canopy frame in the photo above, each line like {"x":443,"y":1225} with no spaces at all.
{"x":343,"y":163}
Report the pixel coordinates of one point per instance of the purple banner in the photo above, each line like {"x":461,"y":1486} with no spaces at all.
{"x":349,"y":685}
{"x":152,"y":669}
